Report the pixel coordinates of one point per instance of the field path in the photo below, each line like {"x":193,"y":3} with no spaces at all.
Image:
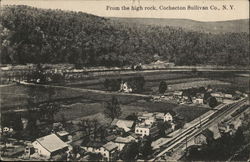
{"x":90,"y":90}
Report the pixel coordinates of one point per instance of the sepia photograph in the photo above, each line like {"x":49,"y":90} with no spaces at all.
{"x":124,"y":80}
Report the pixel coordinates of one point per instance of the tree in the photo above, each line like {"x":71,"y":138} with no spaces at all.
{"x":212,"y":102}
{"x":5,"y":135}
{"x":246,"y":128}
{"x":145,"y":148}
{"x":112,"y":108}
{"x":132,"y":116}
{"x":94,"y":156}
{"x":163,"y":127}
{"x":130,"y":152}
{"x":162,"y":87}
{"x":206,"y":97}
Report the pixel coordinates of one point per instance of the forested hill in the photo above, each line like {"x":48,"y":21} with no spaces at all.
{"x":216,"y":27}
{"x":31,"y":35}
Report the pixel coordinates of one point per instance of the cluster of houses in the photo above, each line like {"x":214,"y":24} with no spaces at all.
{"x":123,"y":132}
{"x":182,"y":98}
{"x":108,"y":145}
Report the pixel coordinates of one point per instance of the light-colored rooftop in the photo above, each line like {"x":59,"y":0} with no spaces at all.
{"x":127,"y":139}
{"x":110,"y":146}
{"x":62,"y":133}
{"x":52,"y":142}
{"x":120,"y":122}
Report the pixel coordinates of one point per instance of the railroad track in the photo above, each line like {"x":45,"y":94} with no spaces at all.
{"x":191,"y":132}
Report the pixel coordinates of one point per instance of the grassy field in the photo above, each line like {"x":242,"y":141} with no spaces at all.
{"x":154,"y":77}
{"x":80,"y":104}
{"x":95,"y":111}
{"x":16,"y":95}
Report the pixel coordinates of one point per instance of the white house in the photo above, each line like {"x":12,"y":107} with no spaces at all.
{"x":124,"y":124}
{"x":49,"y":145}
{"x":228,"y":96}
{"x":144,"y":115}
{"x":168,"y":117}
{"x":109,"y":151}
{"x":125,"y":88}
{"x":198,"y":101}
{"x":122,"y":141}
{"x":142,"y":130}
{"x":149,"y":121}
{"x":146,"y":130}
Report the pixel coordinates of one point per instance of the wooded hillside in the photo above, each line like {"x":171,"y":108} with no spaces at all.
{"x":31,"y":35}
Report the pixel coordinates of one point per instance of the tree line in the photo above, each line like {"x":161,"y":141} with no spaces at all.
{"x":32,"y":35}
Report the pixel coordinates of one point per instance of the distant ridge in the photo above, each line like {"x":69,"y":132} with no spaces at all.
{"x":216,"y":27}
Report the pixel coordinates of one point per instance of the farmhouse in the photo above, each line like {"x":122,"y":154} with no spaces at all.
{"x":144,"y":115}
{"x":146,"y":130}
{"x":204,"y":137}
{"x":122,"y":141}
{"x":124,"y":87}
{"x":49,"y":146}
{"x":163,"y":117}
{"x":126,"y":125}
{"x":197,"y":100}
{"x":64,"y":136}
{"x":109,"y":151}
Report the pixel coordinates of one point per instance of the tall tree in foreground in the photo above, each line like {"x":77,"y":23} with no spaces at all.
{"x":113,"y":109}
{"x":130,"y":152}
{"x":162,"y":87}
{"x":145,"y":148}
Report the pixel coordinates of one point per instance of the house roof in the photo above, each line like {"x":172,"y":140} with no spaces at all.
{"x":110,"y":138}
{"x":159,"y":115}
{"x":216,"y":132}
{"x":122,"y":123}
{"x":110,"y":146}
{"x":134,"y":135}
{"x":127,"y":139}
{"x":147,"y":114}
{"x":208,"y":134}
{"x":159,"y":142}
{"x":94,"y":144}
{"x":51,"y":143}
{"x":62,"y":133}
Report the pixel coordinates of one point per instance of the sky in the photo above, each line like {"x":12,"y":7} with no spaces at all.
{"x":99,"y":8}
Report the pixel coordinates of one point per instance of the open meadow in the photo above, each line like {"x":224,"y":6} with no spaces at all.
{"x":79,"y":103}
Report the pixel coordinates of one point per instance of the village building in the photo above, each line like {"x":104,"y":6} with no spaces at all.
{"x":146,"y":130}
{"x":149,"y":121}
{"x":163,"y":117}
{"x":207,"y":135}
{"x":124,"y":87}
{"x":111,"y":137}
{"x":64,"y":136}
{"x":177,"y":94}
{"x":197,"y":100}
{"x":144,"y":115}
{"x":204,"y":137}
{"x":126,"y":125}
{"x":49,"y":146}
{"x":109,"y":151}
{"x":122,"y":141}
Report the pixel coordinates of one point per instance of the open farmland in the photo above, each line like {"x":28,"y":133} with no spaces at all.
{"x":80,"y":103}
{"x":155,"y":77}
{"x":89,"y":110}
{"x":196,"y":84}
{"x":16,"y":96}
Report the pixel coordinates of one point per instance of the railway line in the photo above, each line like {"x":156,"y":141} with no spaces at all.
{"x":196,"y":128}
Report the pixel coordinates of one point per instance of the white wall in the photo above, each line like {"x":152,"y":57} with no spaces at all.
{"x":40,"y":149}
{"x":142,"y":131}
